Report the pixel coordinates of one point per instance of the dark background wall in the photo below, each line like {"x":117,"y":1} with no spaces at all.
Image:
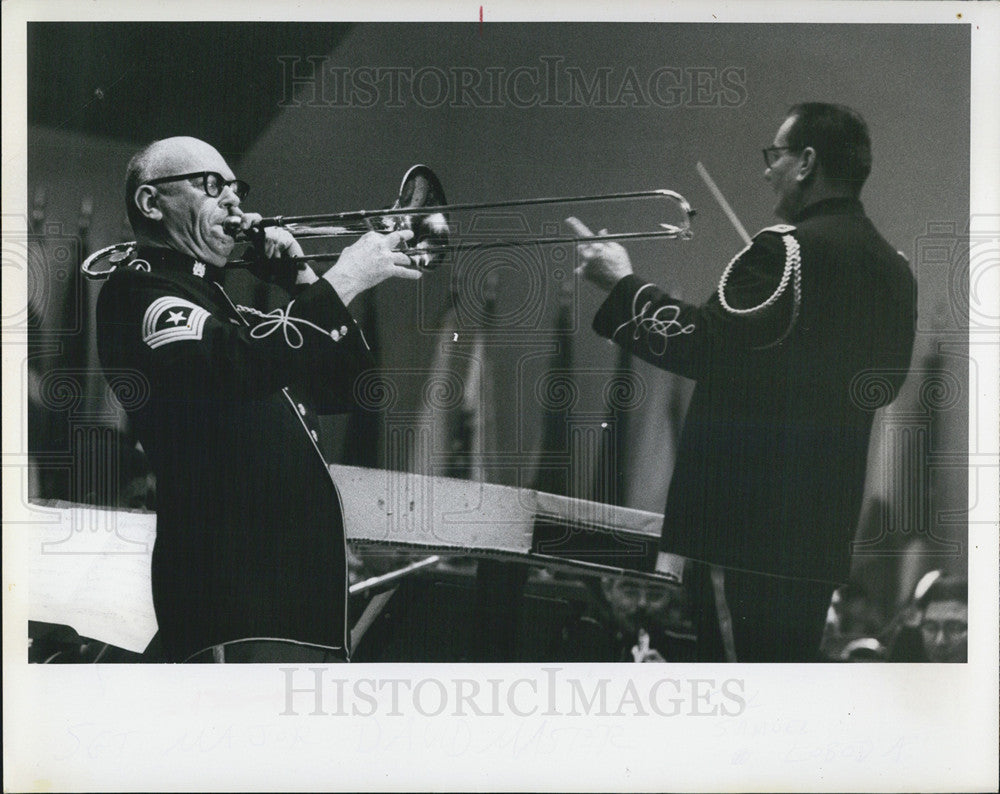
{"x":96,"y":91}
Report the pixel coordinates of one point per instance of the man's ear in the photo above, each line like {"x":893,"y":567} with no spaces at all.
{"x":146,"y":199}
{"x":808,"y":164}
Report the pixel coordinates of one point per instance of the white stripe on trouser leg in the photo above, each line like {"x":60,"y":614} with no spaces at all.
{"x":722,"y":613}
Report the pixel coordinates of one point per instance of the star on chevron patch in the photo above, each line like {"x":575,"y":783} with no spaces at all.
{"x":172,"y":319}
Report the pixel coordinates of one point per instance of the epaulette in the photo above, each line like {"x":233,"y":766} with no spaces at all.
{"x":779,"y":228}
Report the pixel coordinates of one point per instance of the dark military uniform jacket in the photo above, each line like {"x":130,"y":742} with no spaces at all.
{"x":249,"y":536}
{"x":771,"y":465}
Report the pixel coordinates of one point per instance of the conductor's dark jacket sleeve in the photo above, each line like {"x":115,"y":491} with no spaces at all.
{"x":678,"y":336}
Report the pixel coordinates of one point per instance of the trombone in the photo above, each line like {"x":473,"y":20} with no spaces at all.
{"x":421,"y":207}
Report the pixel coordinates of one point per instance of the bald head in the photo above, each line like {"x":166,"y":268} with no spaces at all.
{"x":178,"y":155}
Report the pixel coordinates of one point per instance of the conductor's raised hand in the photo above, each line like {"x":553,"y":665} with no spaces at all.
{"x":602,"y":264}
{"x":370,"y":261}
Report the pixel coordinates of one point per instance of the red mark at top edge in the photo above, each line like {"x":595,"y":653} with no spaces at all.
{"x":480,"y":20}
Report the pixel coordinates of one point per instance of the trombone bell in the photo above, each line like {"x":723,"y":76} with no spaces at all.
{"x":421,"y":188}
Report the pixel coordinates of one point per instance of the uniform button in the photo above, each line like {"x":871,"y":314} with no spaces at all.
{"x":335,"y":335}
{"x":302,"y":409}
{"x":314,"y":434}
{"x":343,"y":330}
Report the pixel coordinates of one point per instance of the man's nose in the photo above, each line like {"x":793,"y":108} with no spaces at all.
{"x":228,"y":197}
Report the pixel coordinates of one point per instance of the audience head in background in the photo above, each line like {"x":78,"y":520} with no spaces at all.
{"x":944,"y":623}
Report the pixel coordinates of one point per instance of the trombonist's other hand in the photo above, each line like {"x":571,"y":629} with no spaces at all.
{"x":602,"y":264}
{"x":281,"y":244}
{"x":278,"y":244}
{"x":370,"y":261}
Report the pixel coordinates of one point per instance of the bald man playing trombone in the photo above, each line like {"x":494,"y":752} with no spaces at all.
{"x":249,"y":563}
{"x":809,"y":332}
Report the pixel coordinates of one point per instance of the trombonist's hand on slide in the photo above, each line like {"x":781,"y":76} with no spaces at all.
{"x":602,"y":264}
{"x":370,"y":261}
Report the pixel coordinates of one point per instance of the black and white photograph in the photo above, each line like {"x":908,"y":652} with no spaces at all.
{"x":482,"y":398}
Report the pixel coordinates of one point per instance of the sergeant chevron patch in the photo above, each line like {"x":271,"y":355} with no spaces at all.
{"x":171,"y":319}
